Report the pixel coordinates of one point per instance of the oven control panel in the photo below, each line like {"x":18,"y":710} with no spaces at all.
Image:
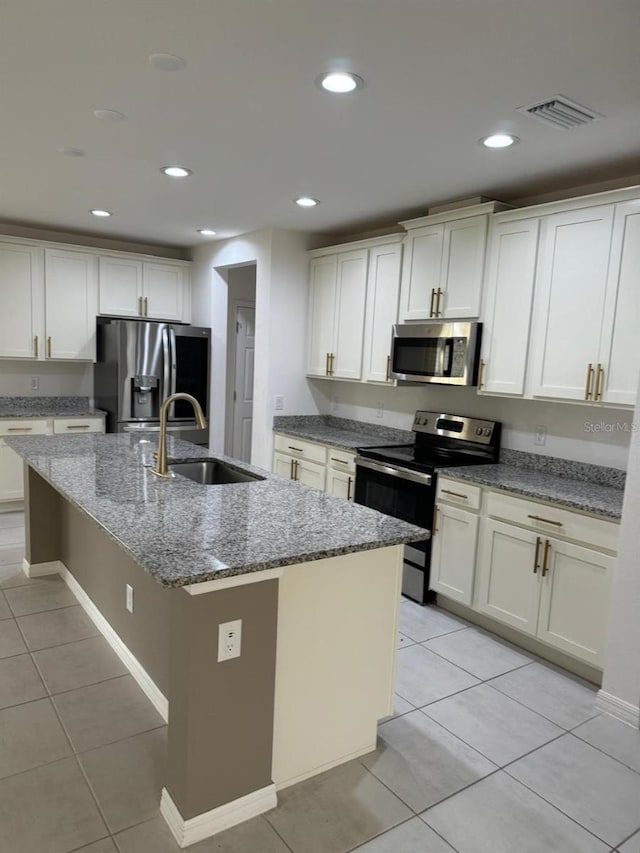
{"x":455,"y":426}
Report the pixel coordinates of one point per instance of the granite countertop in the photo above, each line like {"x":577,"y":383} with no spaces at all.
{"x":343,"y":433}
{"x":184,"y":533}
{"x":47,"y":407}
{"x":596,"y":498}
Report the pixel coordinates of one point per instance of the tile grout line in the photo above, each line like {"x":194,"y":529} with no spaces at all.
{"x":533,"y":710}
{"x":468,"y":672}
{"x":602,"y":752}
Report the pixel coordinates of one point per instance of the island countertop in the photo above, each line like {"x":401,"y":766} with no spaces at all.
{"x":183,"y":533}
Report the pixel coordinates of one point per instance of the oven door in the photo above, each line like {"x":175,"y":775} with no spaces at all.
{"x":443,"y":353}
{"x":404,"y":494}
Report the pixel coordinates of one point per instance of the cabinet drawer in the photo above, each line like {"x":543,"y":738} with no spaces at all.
{"x":458,"y":493}
{"x":341,"y":460}
{"x":78,"y":425}
{"x":551,"y":520}
{"x":300,"y":449}
{"x":14,"y":426}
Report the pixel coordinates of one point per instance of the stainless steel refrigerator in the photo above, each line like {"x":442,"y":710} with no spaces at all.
{"x":139,"y":364}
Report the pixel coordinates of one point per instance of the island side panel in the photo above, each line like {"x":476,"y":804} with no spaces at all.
{"x":221,"y":713}
{"x":337,"y":639}
{"x":56,"y":530}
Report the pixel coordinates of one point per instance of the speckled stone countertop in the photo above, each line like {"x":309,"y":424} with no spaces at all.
{"x":184,"y":533}
{"x":340,"y":432}
{"x":47,"y":407}
{"x":585,"y":495}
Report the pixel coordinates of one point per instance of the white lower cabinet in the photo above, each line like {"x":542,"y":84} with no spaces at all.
{"x":299,"y":469}
{"x":453,"y":554}
{"x":317,"y":465}
{"x":11,"y":485}
{"x":340,"y":484}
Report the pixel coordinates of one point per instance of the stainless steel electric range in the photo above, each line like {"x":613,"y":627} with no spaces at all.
{"x":400,"y":480}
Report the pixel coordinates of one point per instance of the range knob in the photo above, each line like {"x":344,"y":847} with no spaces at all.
{"x":487,"y":431}
{"x":478,"y":430}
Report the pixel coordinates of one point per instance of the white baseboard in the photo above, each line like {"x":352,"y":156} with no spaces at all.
{"x":625,"y":711}
{"x":187,"y":832}
{"x":286,"y":783}
{"x":139,"y":673}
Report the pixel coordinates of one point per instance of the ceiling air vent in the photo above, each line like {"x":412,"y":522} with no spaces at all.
{"x":561,"y":113}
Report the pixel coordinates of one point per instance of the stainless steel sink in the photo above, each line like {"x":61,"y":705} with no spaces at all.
{"x":212,"y":472}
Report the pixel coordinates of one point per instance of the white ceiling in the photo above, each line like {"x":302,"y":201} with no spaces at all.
{"x":246,"y":116}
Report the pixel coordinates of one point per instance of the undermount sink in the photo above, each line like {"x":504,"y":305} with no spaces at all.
{"x":212,"y":472}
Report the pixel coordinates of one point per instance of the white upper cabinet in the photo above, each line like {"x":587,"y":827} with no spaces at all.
{"x":162,"y":286}
{"x":338,"y":284}
{"x":383,"y":289}
{"x":130,"y":287}
{"x":443,"y":264}
{"x":570,"y":299}
{"x":421,"y":272}
{"x":618,"y":361}
{"x":21,"y":301}
{"x":511,"y":268}
{"x":120,"y":286}
{"x":71,"y":305}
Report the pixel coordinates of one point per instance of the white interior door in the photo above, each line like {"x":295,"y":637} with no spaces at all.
{"x":243,"y":382}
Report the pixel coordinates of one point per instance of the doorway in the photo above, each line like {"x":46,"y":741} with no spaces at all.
{"x":240,"y":361}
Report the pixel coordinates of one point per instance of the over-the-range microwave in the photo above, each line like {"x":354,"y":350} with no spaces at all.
{"x":442,"y":353}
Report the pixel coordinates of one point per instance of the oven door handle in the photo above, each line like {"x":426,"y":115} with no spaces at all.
{"x":393,"y":471}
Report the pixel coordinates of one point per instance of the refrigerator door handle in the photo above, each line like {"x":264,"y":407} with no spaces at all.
{"x":173,"y":368}
{"x":166,"y":360}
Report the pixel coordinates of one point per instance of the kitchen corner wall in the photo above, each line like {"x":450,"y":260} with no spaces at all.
{"x":583,"y":433}
{"x":281,"y":310}
{"x":55,"y":379}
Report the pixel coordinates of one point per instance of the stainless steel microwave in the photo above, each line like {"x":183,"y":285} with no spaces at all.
{"x":442,"y":353}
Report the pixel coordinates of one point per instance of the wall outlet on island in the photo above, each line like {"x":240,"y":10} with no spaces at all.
{"x":335,"y":403}
{"x":35,"y":383}
{"x":229,"y":639}
{"x":129,"y":598}
{"x":278,"y":403}
{"x":541,"y":436}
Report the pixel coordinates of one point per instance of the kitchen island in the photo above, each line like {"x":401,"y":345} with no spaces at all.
{"x":309,"y":583}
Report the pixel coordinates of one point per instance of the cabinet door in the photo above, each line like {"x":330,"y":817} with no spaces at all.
{"x":570,"y":298}
{"x":463,"y":267}
{"x":453,"y":555}
{"x":421,"y":272}
{"x":283,"y":465}
{"x":11,"y":474}
{"x":22,"y":300}
{"x":574,"y":606}
{"x":351,"y":289}
{"x":120,"y":287}
{"x":383,"y":288}
{"x":162,"y":291}
{"x":310,"y":474}
{"x":510,"y":277}
{"x":71,"y":305}
{"x":508,"y":588}
{"x":323,"y":273}
{"x":622,"y":313}
{"x":340,"y":484}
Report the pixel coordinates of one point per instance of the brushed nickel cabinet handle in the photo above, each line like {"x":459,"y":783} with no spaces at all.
{"x":599,"y":378}
{"x":49,"y":347}
{"x":349,"y":484}
{"x":545,"y":520}
{"x":291,"y":470}
{"x":339,"y":461}
{"x":146,"y":306}
{"x":455,"y":494}
{"x":140,"y":312}
{"x":481,"y":374}
{"x":19,"y":429}
{"x":587,"y":387}
{"x":435,"y":519}
{"x":331,"y":360}
{"x":433,"y":296}
{"x":440,"y":294}
{"x":78,"y":426}
{"x":326,"y":366}
{"x":35,"y":345}
{"x":295,"y":469}
{"x":536,"y":559}
{"x":545,"y":561}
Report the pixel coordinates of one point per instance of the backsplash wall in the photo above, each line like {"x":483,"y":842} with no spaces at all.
{"x":582,"y":433}
{"x":55,"y":379}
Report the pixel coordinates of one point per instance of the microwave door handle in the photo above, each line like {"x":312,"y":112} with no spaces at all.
{"x":447,"y":354}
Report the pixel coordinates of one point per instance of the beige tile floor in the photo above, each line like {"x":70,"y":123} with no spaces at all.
{"x":489,"y":750}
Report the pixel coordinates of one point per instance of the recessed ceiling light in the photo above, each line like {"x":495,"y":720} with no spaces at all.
{"x":340,"y":82}
{"x":307,"y":201}
{"x":99,"y":212}
{"x":206,"y":232}
{"x":167,"y":62}
{"x":499,"y":140}
{"x":71,"y":152}
{"x":176,"y":171}
{"x":109,"y":115}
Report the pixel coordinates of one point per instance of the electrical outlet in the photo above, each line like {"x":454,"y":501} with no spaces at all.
{"x":380,"y":410}
{"x":541,"y":436}
{"x":278,"y":403}
{"x":229,"y":640}
{"x":335,"y":403}
{"x":129,"y":598}
{"x":35,"y":383}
